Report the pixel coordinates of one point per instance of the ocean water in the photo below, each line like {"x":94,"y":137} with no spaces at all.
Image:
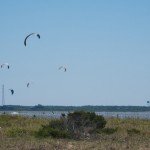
{"x":57,"y":114}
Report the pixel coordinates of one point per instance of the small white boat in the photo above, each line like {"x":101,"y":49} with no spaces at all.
{"x":14,"y":113}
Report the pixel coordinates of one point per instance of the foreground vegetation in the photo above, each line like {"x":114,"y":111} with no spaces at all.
{"x":19,"y":133}
{"x":75,"y":125}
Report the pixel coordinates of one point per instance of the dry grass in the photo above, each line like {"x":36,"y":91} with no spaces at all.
{"x":17,"y":133}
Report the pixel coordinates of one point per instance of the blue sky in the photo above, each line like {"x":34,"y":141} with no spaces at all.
{"x":105,"y":45}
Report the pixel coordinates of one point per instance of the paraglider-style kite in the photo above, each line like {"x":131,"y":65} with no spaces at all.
{"x":12,"y":91}
{"x":5,"y":64}
{"x":29,"y":83}
{"x":25,"y":41}
{"x":62,"y":67}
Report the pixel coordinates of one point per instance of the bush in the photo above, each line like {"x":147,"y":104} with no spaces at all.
{"x":54,"y":129}
{"x":76,"y":125}
{"x":81,"y":124}
{"x":55,"y":133}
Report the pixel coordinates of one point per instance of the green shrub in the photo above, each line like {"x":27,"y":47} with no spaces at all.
{"x":55,"y":133}
{"x":75,"y":125}
{"x":57,"y":124}
{"x":133,"y":131}
{"x":55,"y":129}
{"x":81,"y":120}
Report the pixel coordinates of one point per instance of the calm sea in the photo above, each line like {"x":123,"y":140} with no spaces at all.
{"x":57,"y":114}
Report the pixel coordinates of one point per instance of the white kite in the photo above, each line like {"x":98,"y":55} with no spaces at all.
{"x":62,"y":67}
{"x":5,"y":64}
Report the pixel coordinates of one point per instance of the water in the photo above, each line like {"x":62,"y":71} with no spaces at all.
{"x":141,"y":115}
{"x":57,"y":114}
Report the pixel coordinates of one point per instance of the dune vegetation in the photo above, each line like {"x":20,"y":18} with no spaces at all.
{"x":19,"y":133}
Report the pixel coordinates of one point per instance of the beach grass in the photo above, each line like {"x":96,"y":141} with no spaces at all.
{"x":18,"y":133}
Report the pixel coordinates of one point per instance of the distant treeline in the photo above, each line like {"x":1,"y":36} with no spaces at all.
{"x":73,"y":108}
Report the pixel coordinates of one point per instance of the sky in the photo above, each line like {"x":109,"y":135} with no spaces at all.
{"x":104,"y":44}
